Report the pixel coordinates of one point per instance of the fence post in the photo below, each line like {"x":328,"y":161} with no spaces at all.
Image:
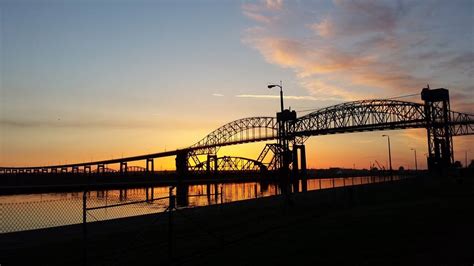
{"x":84,"y":226}
{"x":171,"y":207}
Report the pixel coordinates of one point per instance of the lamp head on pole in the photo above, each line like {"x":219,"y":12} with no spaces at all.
{"x":281,"y":93}
{"x":273,"y":85}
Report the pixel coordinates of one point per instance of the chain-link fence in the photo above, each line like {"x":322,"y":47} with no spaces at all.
{"x":31,"y":215}
{"x":128,"y":226}
{"x":152,"y":232}
{"x":68,"y":208}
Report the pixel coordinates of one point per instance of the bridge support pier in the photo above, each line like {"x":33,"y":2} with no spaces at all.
{"x":150,"y":165}
{"x":440,"y":142}
{"x":182,"y":191}
{"x":303,"y":168}
{"x":100,"y":168}
{"x":299,"y":165}
{"x":210,"y":158}
{"x":123,"y":168}
{"x":182,"y":163}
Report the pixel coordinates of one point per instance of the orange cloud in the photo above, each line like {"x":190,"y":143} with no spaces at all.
{"x":360,"y":48}
{"x":274,"y":4}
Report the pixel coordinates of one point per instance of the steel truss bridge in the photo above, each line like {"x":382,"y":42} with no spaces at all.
{"x":434,"y":114}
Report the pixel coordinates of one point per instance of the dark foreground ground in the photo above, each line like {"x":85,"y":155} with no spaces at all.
{"x":409,"y":222}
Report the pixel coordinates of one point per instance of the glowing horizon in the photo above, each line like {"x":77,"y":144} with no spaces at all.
{"x":81,"y":83}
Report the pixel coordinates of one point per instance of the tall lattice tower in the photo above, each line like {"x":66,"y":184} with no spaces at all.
{"x":440,"y":140}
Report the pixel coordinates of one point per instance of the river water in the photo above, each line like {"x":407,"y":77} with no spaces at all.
{"x":36,"y":211}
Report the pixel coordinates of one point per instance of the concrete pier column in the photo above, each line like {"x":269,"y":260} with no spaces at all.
{"x":209,"y":166}
{"x":303,"y":173}
{"x":295,"y":161}
{"x":182,"y":163}
{"x":150,"y":165}
{"x":303,"y":159}
{"x":123,"y":167}
{"x":182,"y":191}
{"x":100,"y":168}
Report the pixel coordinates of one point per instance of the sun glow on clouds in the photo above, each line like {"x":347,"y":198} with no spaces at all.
{"x":366,"y":49}
{"x":352,"y":50}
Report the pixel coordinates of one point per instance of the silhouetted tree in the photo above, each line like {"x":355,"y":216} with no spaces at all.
{"x":457,"y":164}
{"x":471,"y":165}
{"x":401,"y":168}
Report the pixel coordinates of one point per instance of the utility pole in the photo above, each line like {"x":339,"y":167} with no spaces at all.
{"x":416,"y":164}
{"x":389,"y":152}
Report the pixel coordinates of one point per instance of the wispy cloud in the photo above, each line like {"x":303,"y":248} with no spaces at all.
{"x":218,"y":95}
{"x":274,"y":4}
{"x":288,"y":97}
{"x":367,"y":49}
{"x":106,"y":123}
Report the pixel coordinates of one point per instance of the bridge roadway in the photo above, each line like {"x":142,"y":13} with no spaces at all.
{"x":357,"y":116}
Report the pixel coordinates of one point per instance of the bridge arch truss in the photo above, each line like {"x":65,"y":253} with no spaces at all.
{"x":372,"y":115}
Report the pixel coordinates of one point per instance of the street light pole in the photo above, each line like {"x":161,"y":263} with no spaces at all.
{"x":416,"y":163}
{"x":284,"y":155}
{"x":389,"y":152}
{"x":281,"y":93}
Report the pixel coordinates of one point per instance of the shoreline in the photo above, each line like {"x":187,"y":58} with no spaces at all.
{"x":236,"y":224}
{"x":103,"y":182}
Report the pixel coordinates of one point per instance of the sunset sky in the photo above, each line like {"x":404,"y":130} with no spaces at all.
{"x":88,"y":80}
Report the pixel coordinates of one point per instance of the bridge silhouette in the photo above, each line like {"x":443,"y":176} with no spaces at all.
{"x":291,"y":132}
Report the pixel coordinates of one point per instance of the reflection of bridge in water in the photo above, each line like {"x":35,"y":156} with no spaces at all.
{"x":291,"y":133}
